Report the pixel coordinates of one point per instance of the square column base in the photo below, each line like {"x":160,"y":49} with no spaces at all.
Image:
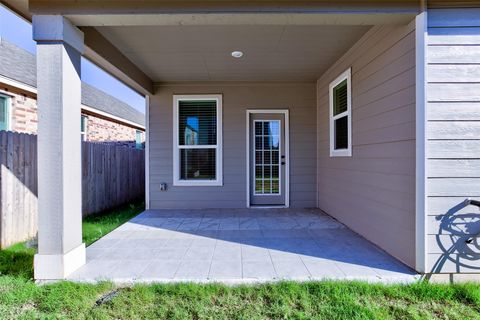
{"x":59,"y":266}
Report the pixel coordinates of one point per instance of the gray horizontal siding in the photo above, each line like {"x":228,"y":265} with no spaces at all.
{"x":373,"y":192}
{"x":453,"y":137}
{"x":299,"y":98}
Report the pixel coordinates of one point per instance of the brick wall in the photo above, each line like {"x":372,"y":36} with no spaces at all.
{"x":23,"y":112}
{"x":99,"y":129}
{"x":24,"y":119}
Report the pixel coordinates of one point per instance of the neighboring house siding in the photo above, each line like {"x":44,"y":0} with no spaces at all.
{"x":453,"y":138}
{"x":19,"y":65}
{"x":373,"y":191}
{"x":299,"y":98}
{"x":24,"y":119}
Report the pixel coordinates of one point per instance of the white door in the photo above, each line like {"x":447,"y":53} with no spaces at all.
{"x":267,"y":159}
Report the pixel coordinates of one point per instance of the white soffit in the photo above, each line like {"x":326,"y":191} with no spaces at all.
{"x":203,"y":53}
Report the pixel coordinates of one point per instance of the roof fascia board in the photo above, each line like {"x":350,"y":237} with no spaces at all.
{"x":211,"y":6}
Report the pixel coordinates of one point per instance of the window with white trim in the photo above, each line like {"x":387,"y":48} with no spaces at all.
{"x":138,"y":139}
{"x":340,"y":97}
{"x":197,"y":140}
{"x":4,"y":112}
{"x":83,"y":127}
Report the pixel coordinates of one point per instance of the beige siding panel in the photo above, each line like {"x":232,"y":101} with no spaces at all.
{"x":299,"y":98}
{"x":453,"y":73}
{"x":458,"y":224}
{"x":450,"y":205}
{"x":373,"y":191}
{"x":454,"y":168}
{"x":449,"y":243}
{"x":453,"y":92}
{"x":451,"y":263}
{"x":453,"y":187}
{"x":457,"y":149}
{"x":450,"y":130}
{"x":453,"y":54}
{"x":458,"y":36}
{"x":453,"y":111}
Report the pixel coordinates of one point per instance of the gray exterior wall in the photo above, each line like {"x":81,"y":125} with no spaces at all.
{"x":373,"y":192}
{"x":299,"y":98}
{"x":453,"y":138}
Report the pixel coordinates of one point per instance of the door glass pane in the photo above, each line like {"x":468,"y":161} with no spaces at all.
{"x":267,"y":158}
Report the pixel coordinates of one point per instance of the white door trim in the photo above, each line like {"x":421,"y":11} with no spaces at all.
{"x":285,"y":112}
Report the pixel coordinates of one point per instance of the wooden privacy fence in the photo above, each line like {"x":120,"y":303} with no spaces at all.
{"x":111,"y":176}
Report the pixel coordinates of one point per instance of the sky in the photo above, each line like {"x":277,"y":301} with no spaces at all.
{"x":19,"y":32}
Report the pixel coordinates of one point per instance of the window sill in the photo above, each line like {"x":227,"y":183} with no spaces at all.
{"x":185,"y":183}
{"x":340,"y":153}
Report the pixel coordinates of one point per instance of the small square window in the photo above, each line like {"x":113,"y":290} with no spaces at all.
{"x":340,"y":96}
{"x":4,"y":112}
{"x":138,"y":139}
{"x":83,"y":127}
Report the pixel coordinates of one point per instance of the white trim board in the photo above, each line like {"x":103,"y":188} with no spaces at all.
{"x":147,"y":152}
{"x":286,"y":113}
{"x":346,"y":75}
{"x":420,"y":141}
{"x":112,"y":117}
{"x":17,"y":84}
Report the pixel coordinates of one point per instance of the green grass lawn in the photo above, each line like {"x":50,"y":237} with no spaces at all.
{"x":21,"y":298}
{"x":17,"y":260}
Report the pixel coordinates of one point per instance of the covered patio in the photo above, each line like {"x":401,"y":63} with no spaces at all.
{"x":239,"y":114}
{"x":237,"y":246}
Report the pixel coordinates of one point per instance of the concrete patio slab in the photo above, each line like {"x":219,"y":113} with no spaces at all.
{"x":237,"y":246}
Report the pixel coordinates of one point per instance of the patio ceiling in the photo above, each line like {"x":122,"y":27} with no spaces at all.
{"x":203,"y":53}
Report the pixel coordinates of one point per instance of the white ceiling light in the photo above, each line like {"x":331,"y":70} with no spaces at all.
{"x":237,"y":54}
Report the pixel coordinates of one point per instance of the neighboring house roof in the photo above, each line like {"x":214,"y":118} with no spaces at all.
{"x":99,"y":100}
{"x":20,"y":65}
{"x":17,"y":63}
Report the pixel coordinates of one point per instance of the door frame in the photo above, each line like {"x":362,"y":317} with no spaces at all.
{"x":286,"y":113}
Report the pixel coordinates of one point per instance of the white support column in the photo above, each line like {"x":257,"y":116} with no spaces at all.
{"x":59,"y":50}
{"x":147,"y":152}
